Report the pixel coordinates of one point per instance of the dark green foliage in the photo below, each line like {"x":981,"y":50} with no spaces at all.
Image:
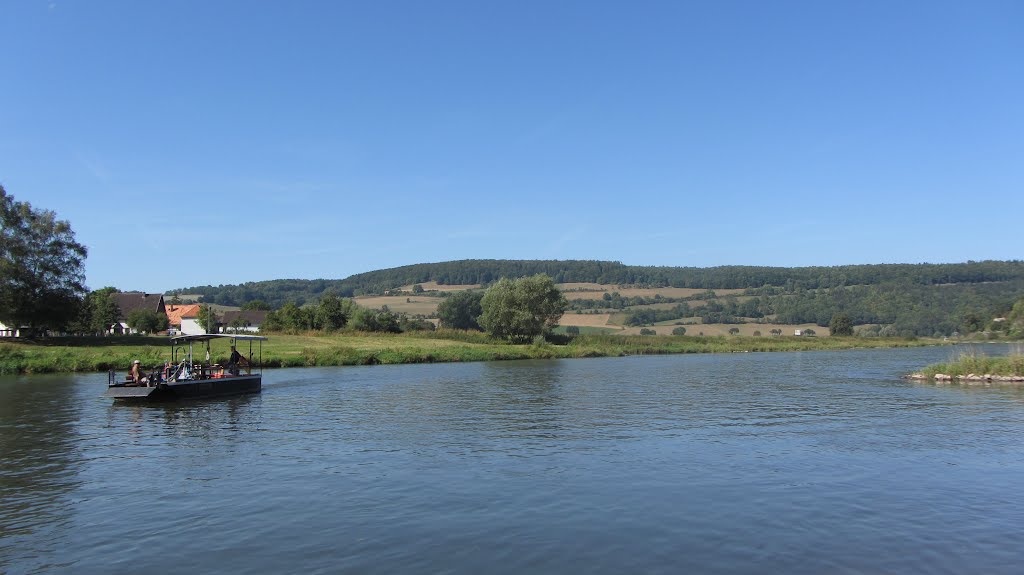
{"x":520,"y":310}
{"x":572,"y":330}
{"x":147,"y":321}
{"x":734,"y":331}
{"x":97,"y":313}
{"x":679,"y":331}
{"x":1015,"y":320}
{"x":290,"y":318}
{"x":417,"y":288}
{"x":207,"y":319}
{"x":333,"y":312}
{"x":375,"y":320}
{"x":255,"y":305}
{"x":646,"y":331}
{"x":840,"y":325}
{"x":405,"y":323}
{"x":41,"y":267}
{"x":461,"y":310}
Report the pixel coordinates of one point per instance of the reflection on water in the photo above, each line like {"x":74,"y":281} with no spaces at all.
{"x":38,"y":467}
{"x":736,"y":463}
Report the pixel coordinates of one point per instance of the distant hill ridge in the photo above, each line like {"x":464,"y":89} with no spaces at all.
{"x":278,"y":292}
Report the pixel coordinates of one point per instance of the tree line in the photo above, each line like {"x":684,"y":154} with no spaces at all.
{"x":485,"y":272}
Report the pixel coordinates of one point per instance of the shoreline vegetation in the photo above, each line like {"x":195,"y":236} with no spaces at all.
{"x":97,"y":354}
{"x":975,"y":368}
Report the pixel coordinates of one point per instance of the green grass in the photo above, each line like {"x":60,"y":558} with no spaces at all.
{"x":315,"y":349}
{"x":971,"y":362}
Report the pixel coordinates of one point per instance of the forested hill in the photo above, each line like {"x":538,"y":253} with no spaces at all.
{"x":278,"y":292}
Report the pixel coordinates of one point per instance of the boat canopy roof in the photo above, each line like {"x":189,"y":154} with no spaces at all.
{"x":209,"y":336}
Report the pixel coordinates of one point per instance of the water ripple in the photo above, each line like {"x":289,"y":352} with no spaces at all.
{"x":738,"y":463}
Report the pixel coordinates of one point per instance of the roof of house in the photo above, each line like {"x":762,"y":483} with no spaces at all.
{"x":129,"y":301}
{"x":246,"y":316}
{"x":177,"y":311}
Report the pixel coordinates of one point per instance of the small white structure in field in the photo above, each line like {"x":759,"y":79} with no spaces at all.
{"x":798,"y":332}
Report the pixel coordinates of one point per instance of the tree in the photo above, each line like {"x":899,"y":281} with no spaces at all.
{"x":461,"y":310}
{"x":294,"y":318}
{"x":519,"y":310}
{"x":679,"y":331}
{"x":375,"y":320}
{"x":417,"y":288}
{"x":41,"y":267}
{"x":810,"y":332}
{"x":757,"y":333}
{"x":734,"y":331}
{"x":255,"y":305}
{"x":840,"y":324}
{"x":1015,"y":319}
{"x":646,"y":331}
{"x":333,"y":312}
{"x":776,"y":332}
{"x":207,"y":318}
{"x":406,"y":323}
{"x":102,"y":310}
{"x":147,"y":321}
{"x":572,"y":330}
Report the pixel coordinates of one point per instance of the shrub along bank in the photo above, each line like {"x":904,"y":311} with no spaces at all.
{"x":316,"y":349}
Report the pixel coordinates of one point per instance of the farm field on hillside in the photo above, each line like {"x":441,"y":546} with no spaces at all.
{"x":587,"y":319}
{"x":414,"y":305}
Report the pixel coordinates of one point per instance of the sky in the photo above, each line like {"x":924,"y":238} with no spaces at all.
{"x":220,"y":142}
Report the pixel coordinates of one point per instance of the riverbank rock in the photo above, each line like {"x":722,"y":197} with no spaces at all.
{"x":970,"y":378}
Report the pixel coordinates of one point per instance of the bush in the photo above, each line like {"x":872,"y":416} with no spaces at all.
{"x":679,"y":331}
{"x":646,"y":331}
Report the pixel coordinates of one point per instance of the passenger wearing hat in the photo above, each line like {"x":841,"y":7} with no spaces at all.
{"x":136,"y":373}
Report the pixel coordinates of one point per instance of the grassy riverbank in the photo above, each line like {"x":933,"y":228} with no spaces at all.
{"x":978,"y":365}
{"x":58,"y":355}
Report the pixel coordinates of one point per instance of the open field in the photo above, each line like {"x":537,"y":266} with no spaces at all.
{"x":587,"y":320}
{"x":100,"y":354}
{"x":414,"y":305}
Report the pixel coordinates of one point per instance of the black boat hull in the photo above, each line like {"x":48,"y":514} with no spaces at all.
{"x":191,"y":389}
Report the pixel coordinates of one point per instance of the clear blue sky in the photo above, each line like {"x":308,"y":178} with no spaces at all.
{"x":343,"y":137}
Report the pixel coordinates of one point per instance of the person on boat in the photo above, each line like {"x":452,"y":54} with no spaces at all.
{"x":136,"y":374}
{"x":236,"y":360}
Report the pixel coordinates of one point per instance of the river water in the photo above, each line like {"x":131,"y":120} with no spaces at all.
{"x":810,"y":462}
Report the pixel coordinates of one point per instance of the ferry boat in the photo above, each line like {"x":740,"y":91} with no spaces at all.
{"x":189,"y":376}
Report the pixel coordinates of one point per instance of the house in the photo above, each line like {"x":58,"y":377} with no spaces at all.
{"x":130,"y":301}
{"x":243,"y":320}
{"x":8,"y":331}
{"x":798,"y":332}
{"x":190,"y":324}
{"x":175,"y":313}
